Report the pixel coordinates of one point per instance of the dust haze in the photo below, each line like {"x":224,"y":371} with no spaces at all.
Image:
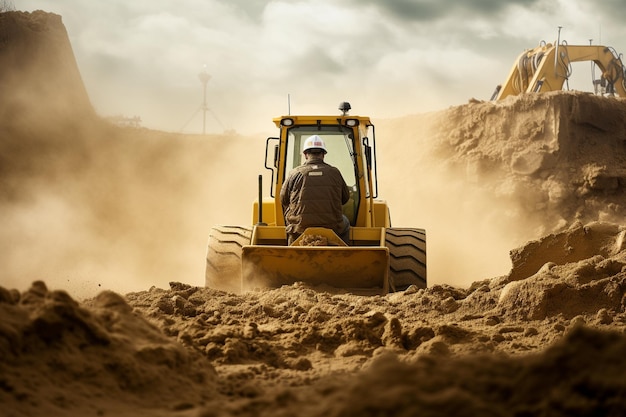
{"x":125,"y":209}
{"x":468,"y":229}
{"x":87,"y":205}
{"x":133,"y":209}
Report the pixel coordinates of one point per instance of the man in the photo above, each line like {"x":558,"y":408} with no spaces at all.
{"x":314,"y":193}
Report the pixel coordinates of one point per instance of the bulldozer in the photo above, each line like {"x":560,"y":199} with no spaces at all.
{"x":547,"y":67}
{"x":376,"y":259}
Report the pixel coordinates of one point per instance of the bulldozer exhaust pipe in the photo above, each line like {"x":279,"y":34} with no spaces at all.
{"x":260,"y":222}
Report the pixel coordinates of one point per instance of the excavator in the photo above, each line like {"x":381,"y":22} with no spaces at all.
{"x":376,"y":259}
{"x":548,"y":66}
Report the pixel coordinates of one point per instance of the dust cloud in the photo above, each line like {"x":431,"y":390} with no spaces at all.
{"x":89,"y":206}
{"x":469,"y":230}
{"x":93,"y":206}
{"x":136,"y":214}
{"x":125,"y":209}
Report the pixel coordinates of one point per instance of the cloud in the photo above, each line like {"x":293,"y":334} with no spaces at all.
{"x":252,"y":10}
{"x":427,"y":11}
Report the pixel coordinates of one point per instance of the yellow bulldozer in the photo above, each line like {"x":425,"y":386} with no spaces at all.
{"x":548,"y":66}
{"x":377,"y":259}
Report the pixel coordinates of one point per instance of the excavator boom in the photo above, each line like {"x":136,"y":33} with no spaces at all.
{"x":548,"y":66}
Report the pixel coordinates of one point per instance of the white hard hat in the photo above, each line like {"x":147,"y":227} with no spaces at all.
{"x":314,"y":142}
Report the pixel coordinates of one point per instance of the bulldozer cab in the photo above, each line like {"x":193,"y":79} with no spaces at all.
{"x":339,"y":142}
{"x":350,"y":145}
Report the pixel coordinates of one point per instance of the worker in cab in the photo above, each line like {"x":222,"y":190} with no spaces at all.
{"x":314,"y":193}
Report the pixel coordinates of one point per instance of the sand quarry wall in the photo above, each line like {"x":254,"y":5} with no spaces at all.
{"x":88,"y":205}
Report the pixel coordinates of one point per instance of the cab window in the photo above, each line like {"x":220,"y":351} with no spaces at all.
{"x":340,"y":147}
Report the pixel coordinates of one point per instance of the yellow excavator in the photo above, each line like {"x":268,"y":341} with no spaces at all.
{"x":548,"y":66}
{"x":377,"y":259}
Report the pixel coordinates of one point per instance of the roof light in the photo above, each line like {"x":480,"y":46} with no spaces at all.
{"x":344,"y":106}
{"x":352,"y":122}
{"x":286,"y":122}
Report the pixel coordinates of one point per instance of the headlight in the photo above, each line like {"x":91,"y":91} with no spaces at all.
{"x":286,"y":122}
{"x":352,"y":122}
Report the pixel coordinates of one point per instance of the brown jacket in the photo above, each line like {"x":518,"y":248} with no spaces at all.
{"x":313,"y":196}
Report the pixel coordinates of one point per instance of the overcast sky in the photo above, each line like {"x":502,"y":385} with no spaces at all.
{"x":388,"y":58}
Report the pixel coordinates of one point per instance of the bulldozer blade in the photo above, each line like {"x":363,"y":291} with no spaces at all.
{"x":357,"y":268}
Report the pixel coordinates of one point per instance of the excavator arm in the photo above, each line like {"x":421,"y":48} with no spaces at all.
{"x":546,"y":67}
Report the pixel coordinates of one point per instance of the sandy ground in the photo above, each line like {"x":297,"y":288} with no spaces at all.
{"x":102,"y":304}
{"x":548,"y":344}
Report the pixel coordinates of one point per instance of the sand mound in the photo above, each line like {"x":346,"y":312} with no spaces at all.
{"x":577,"y":271}
{"x":551,"y":341}
{"x":59,"y":355}
{"x":559,"y":156}
{"x":575,"y":244}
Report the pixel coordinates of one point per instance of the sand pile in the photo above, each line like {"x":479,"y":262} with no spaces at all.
{"x":558,"y":157}
{"x":58,"y":355}
{"x":84,"y":203}
{"x":550,"y":342}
